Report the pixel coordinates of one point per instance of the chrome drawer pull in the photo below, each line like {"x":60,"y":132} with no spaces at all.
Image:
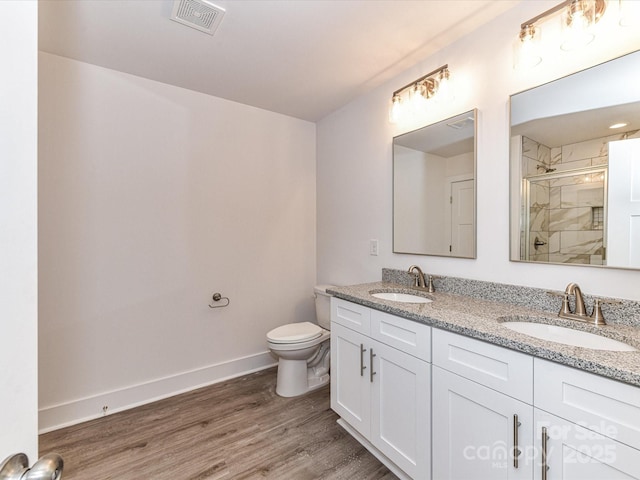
{"x":545,"y":467}
{"x":516,"y":450}
{"x":371,"y":372}
{"x":362,"y":366}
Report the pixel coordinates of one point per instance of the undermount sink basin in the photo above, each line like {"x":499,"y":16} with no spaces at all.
{"x":568,"y":336}
{"x":401,"y":297}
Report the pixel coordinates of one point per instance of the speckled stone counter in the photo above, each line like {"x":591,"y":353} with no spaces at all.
{"x":623,"y":312}
{"x":483,"y":319}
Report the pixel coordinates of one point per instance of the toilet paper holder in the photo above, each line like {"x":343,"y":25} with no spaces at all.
{"x":217,"y":297}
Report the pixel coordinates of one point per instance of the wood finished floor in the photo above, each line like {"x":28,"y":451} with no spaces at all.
{"x":239,"y":429}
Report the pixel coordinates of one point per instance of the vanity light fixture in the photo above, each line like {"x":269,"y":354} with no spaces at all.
{"x":413,"y":97}
{"x":578,"y":18}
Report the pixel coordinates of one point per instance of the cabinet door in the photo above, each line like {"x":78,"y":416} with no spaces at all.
{"x":400,"y":426}
{"x":350,"y":389}
{"x":473,"y":431}
{"x":575,"y":453}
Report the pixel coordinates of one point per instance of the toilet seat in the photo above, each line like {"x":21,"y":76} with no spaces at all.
{"x":294,"y":333}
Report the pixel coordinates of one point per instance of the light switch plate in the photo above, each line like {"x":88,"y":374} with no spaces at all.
{"x":373,"y":247}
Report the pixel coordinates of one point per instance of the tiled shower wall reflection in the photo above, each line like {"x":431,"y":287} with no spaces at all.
{"x":566,"y":215}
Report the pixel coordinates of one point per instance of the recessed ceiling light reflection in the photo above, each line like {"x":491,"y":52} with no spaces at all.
{"x":618,"y":125}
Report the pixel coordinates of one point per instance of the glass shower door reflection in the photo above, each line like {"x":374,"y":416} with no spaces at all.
{"x":565,"y":216}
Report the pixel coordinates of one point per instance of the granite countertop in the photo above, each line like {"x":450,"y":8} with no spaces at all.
{"x":482,"y":319}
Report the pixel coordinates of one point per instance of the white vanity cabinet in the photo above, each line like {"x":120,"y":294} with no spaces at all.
{"x":380,"y":385}
{"x":587,"y":426}
{"x":482,"y":413}
{"x":350,"y":388}
{"x":432,"y":404}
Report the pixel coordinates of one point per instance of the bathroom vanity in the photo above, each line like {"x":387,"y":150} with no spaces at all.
{"x":381,"y":384}
{"x":443,"y":390}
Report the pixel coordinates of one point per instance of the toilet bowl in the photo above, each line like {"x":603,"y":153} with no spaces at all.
{"x":303,"y":350}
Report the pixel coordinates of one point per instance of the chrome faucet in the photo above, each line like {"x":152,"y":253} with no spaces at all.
{"x":580,"y":312}
{"x":419,"y":276}
{"x":574,"y":289}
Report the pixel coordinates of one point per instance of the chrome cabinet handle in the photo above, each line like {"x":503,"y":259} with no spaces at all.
{"x":545,"y":467}
{"x":516,"y":450}
{"x":371,"y":372}
{"x":362,"y":366}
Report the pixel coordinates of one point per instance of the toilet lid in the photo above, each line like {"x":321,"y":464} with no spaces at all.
{"x":294,"y":333}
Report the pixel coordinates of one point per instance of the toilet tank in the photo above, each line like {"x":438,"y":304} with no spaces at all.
{"x":323,"y":306}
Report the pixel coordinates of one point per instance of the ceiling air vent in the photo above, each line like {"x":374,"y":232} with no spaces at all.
{"x":198,"y":14}
{"x":460,"y":124}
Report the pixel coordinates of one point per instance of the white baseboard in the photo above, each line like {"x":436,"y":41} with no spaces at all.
{"x":76,"y":411}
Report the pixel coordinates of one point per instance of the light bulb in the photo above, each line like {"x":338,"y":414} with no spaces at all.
{"x":577,"y":21}
{"x":395,"y":109}
{"x":445,"y":87}
{"x":528,"y":47}
{"x":418,"y":98}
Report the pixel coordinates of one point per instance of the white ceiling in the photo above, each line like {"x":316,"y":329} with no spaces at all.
{"x":304,"y":58}
{"x":442,"y":138}
{"x":580,"y":126}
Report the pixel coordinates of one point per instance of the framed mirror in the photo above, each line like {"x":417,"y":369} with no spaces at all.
{"x":575,"y":168}
{"x":434,"y":189}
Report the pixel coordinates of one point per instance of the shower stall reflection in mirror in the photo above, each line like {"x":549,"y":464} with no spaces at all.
{"x":564,"y":216}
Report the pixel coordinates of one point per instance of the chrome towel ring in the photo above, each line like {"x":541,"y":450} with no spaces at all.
{"x":217,"y":298}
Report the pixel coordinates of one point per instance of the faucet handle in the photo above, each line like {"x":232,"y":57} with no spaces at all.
{"x":431,"y":288}
{"x":565,"y":308}
{"x":596,"y":316}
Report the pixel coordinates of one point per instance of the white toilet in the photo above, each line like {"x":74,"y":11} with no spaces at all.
{"x":303,"y":350}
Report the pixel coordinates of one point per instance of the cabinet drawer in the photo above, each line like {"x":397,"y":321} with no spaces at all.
{"x":408,"y":336}
{"x":351,"y":315}
{"x":496,"y":367}
{"x":600,"y":404}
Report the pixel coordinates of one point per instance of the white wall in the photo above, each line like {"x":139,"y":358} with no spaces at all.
{"x":414,"y":196}
{"x":18,"y":233}
{"x":354,"y":164}
{"x":152,"y":198}
{"x":460,"y":165}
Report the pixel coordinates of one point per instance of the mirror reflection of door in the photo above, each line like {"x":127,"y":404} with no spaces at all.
{"x":462,"y":218}
{"x":624,"y":203}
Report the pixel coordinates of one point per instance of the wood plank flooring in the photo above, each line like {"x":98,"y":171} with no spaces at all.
{"x":238,"y":429}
